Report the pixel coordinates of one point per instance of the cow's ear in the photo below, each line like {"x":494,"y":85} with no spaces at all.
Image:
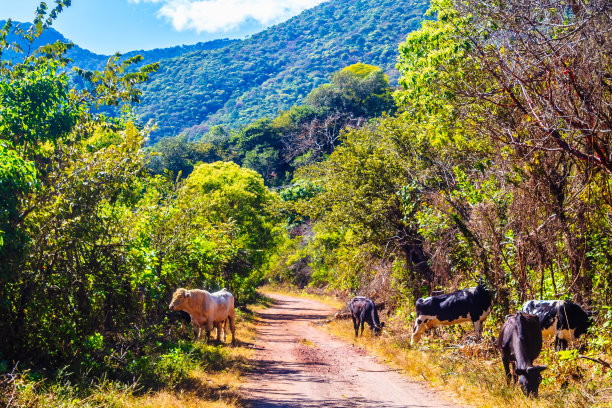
{"x":187,"y":294}
{"x":520,"y":371}
{"x":536,"y":369}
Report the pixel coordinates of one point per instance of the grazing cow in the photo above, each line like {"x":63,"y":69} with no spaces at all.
{"x":364,"y":310}
{"x":207,"y":310}
{"x":520,"y":342}
{"x":179,"y":316}
{"x":563,"y":318}
{"x":467,"y":305}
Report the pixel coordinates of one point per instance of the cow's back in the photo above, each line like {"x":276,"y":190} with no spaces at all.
{"x":547,"y":312}
{"x":359,"y":305}
{"x":532,"y":333}
{"x":199,"y":305}
{"x":222,"y":305}
{"x":526,"y":329}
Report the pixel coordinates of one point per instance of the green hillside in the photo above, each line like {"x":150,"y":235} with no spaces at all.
{"x":276,"y":68}
{"x":234,"y":82}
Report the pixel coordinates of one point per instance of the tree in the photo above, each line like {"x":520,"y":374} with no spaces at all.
{"x":227,"y":194}
{"x":358,"y":90}
{"x":548,"y":73}
{"x":71,"y":176}
{"x":179,"y":156}
{"x":511,"y":79}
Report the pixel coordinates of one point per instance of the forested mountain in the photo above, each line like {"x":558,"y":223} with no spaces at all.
{"x":277,"y":68}
{"x":234,"y":82}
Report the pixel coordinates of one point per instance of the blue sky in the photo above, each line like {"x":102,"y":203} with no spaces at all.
{"x":108,"y":26}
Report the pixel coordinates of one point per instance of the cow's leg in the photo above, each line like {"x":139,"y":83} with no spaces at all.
{"x":218,"y":326}
{"x":355,"y":324}
{"x":417,"y":332}
{"x":225,"y":330}
{"x":560,"y":344}
{"x":196,"y":330}
{"x":478,"y":328}
{"x":232,"y":324}
{"x":506,"y":368}
{"x":209,"y":327}
{"x":362,"y":321}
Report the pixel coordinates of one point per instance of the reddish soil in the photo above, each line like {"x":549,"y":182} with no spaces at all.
{"x":299,"y":365}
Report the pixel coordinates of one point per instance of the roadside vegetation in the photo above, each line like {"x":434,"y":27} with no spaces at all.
{"x":470,"y":371}
{"x":495,"y":169}
{"x":491,"y":164}
{"x":176,"y":372}
{"x":92,"y":245}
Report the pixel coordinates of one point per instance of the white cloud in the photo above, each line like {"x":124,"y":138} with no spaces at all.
{"x":224,"y":15}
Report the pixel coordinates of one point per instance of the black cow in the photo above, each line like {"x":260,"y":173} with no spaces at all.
{"x":364,"y":310}
{"x":520,"y":342}
{"x":563,"y":318}
{"x":472,"y":304}
{"x":179,"y":316}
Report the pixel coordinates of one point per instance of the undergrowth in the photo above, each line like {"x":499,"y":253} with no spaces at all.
{"x":178,"y":373}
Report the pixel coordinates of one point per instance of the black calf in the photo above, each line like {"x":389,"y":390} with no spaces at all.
{"x":364,"y":310}
{"x":179,"y":316}
{"x":520,"y":342}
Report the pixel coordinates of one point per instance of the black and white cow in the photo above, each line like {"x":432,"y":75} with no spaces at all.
{"x":520,"y":342}
{"x":467,"y":305}
{"x":364,"y":310}
{"x":563,"y":318}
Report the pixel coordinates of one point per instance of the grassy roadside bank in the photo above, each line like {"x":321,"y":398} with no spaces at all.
{"x":192,"y":374}
{"x":471,"y":372}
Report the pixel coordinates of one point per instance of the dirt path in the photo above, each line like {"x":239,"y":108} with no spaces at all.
{"x":299,"y":365}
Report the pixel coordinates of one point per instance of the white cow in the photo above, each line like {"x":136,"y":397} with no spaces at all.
{"x":207,"y":310}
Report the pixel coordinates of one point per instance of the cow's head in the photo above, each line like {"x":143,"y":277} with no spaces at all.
{"x":591,"y":315}
{"x":180,"y":296}
{"x":583,"y":325}
{"x":530,"y":379}
{"x":378,"y":329}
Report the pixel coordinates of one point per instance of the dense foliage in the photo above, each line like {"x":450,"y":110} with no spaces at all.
{"x":495,"y":169}
{"x":277,"y":68}
{"x":301,"y":135}
{"x":491,"y":164}
{"x":91,"y":245}
{"x":235,"y":82}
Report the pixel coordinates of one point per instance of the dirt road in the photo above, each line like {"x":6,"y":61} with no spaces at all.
{"x":299,"y":365}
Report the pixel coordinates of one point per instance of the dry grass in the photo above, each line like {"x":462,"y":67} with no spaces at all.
{"x":204,"y":389}
{"x":452,"y":361}
{"x":471,"y":372}
{"x":335,"y":300}
{"x":210,"y":389}
{"x":448,"y":360}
